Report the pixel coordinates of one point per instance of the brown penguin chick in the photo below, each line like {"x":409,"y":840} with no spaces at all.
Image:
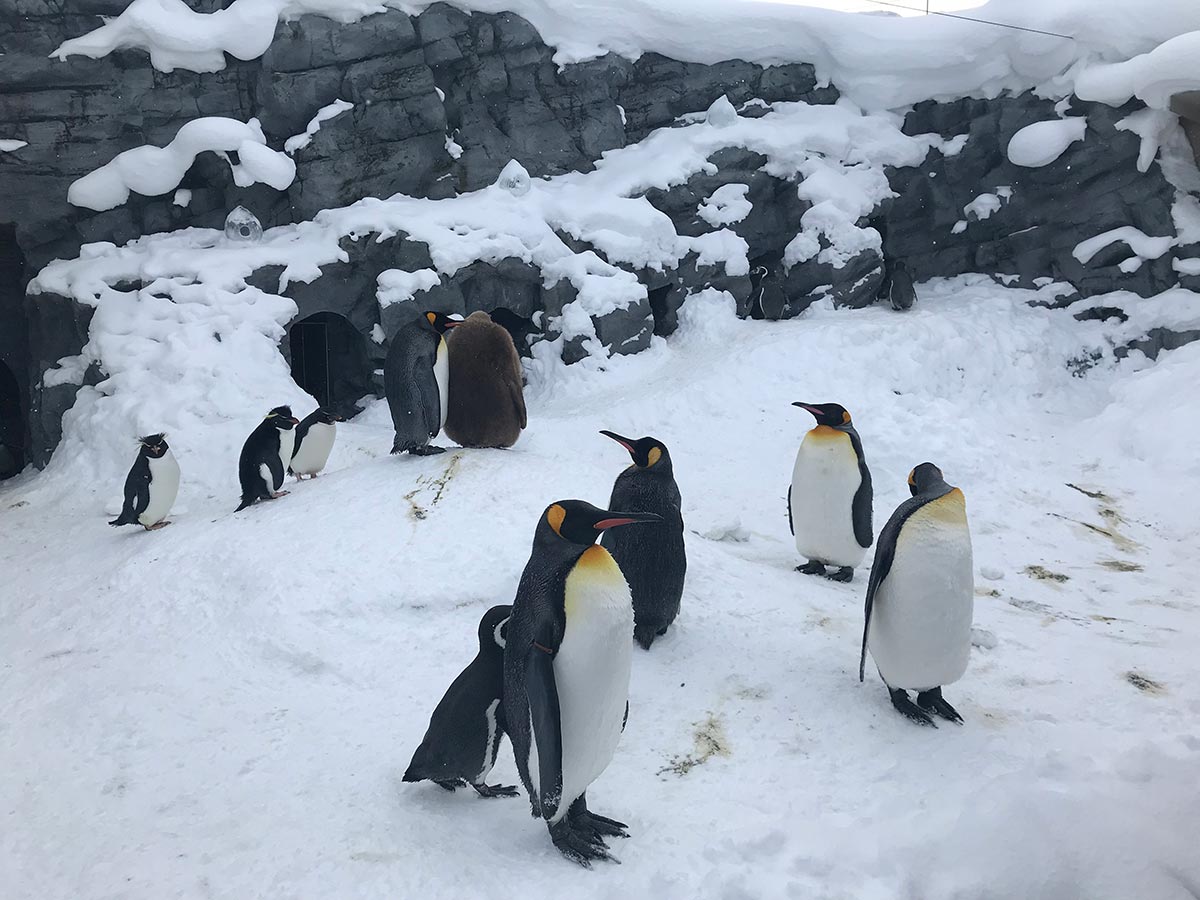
{"x":487,"y":406}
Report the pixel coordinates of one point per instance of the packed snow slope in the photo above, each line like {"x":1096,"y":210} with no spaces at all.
{"x":881,"y":62}
{"x":225,"y":708}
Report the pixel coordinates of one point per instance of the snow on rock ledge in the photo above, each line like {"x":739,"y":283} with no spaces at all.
{"x":1145,"y":246}
{"x":1042,"y":143}
{"x":1153,"y":77}
{"x":158,"y":170}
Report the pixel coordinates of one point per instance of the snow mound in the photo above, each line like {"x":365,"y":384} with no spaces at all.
{"x":396,"y":285}
{"x":1153,"y":77}
{"x":1143,"y":245}
{"x":727,"y":205}
{"x":1042,"y":143}
{"x":881,"y":62}
{"x":514,"y":179}
{"x":721,"y":113}
{"x":324,"y":114}
{"x":158,"y":170}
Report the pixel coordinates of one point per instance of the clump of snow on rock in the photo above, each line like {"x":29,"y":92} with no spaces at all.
{"x":9,"y":145}
{"x":158,"y":170}
{"x":324,"y":114}
{"x":1153,"y":77}
{"x":1143,"y":245}
{"x":1042,"y":143}
{"x":397,"y":285}
{"x":514,"y":179}
{"x":721,"y":113}
{"x":726,"y":205}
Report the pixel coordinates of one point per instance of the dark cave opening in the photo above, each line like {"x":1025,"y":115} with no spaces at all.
{"x":14,"y":352}
{"x":329,"y":360}
{"x":12,"y":425}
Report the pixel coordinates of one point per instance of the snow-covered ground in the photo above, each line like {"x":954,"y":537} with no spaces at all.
{"x":225,"y":708}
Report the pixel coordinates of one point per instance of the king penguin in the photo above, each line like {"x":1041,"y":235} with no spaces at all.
{"x":487,"y":402}
{"x":151,"y":486}
{"x":651,"y":558}
{"x":266,"y":455}
{"x":314,"y":442}
{"x":829,"y":502}
{"x":921,"y":596}
{"x":464,"y":733}
{"x":566,"y":671}
{"x":416,"y":379}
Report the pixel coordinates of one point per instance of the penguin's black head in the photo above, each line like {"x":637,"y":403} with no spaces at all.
{"x":925,"y":477}
{"x":281,"y":417}
{"x":646,"y":452}
{"x":328,"y":416}
{"x":493,"y":628}
{"x":832,"y":414}
{"x":441,"y":322}
{"x":580,"y":523}
{"x":154,"y":445}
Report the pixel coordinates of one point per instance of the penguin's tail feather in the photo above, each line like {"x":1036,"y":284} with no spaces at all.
{"x":246,"y":501}
{"x":123,"y":519}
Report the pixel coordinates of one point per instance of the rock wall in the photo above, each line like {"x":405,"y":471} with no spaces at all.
{"x":487,"y":83}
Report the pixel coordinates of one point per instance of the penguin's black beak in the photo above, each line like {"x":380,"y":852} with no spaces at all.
{"x":809,"y":407}
{"x":615,"y":519}
{"x":625,"y":442}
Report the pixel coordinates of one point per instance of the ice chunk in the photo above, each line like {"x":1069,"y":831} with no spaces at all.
{"x":1042,"y":143}
{"x":514,"y":179}
{"x":242,"y":226}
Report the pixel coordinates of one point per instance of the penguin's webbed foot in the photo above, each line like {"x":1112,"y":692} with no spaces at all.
{"x":935,"y":703}
{"x":645,"y":636}
{"x":275,"y":495}
{"x":845,"y":574}
{"x":496,"y":790}
{"x":589,"y":823}
{"x":905,"y":706}
{"x":576,"y":846}
{"x":811,"y":568}
{"x":427,"y":450}
{"x":157,"y":525}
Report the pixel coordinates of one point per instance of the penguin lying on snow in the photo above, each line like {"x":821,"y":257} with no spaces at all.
{"x":464,"y":733}
{"x":151,"y":486}
{"x":416,"y":379}
{"x":487,"y":403}
{"x":921,"y":597}
{"x":566,"y":671}
{"x":266,"y":455}
{"x":314,"y":441}
{"x":829,"y":502}
{"x":652,"y":559}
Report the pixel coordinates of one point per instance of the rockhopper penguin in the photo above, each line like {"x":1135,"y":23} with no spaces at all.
{"x":314,"y":441}
{"x":266,"y":455}
{"x":566,"y":671}
{"x":652,"y":558}
{"x":151,"y":486}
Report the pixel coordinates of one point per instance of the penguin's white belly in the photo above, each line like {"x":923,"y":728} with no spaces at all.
{"x":164,"y":487}
{"x":489,"y":755}
{"x":314,"y":449}
{"x":287,"y":443}
{"x":441,"y":374}
{"x":591,"y":670}
{"x":824,"y":482}
{"x":920,"y":631}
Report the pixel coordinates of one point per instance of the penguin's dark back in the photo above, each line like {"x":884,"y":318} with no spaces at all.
{"x":651,"y":556}
{"x":487,"y":404}
{"x":263,"y":440}
{"x":408,"y":377}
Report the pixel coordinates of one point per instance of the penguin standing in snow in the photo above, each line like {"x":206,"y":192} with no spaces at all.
{"x":487,"y":403}
{"x":651,"y":558}
{"x":829,"y":502}
{"x":464,"y":733}
{"x":314,"y":441}
{"x":266,"y":456}
{"x":416,"y":379}
{"x":566,"y":671}
{"x":921,"y":597}
{"x":901,"y":292}
{"x":151,"y":486}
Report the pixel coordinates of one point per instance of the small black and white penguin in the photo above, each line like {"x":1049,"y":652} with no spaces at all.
{"x":464,"y":732}
{"x":921,"y":598}
{"x":566,"y":671}
{"x":901,"y":292}
{"x":652,"y":558}
{"x":767,"y":298}
{"x":151,"y":485}
{"x":314,"y":442}
{"x":416,"y":379}
{"x":829,"y":502}
{"x":266,"y":456}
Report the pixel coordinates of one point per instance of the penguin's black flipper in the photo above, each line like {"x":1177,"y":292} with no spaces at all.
{"x":137,"y":493}
{"x":542,"y":691}
{"x":275,"y":464}
{"x":860,"y":507}
{"x":429,"y":398}
{"x":791,"y":526}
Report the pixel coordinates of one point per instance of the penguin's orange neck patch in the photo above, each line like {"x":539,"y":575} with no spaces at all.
{"x":950,"y":507}
{"x":826,"y":433}
{"x":596,"y":558}
{"x":554,"y":516}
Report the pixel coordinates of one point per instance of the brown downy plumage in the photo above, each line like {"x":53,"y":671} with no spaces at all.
{"x":487,"y":406}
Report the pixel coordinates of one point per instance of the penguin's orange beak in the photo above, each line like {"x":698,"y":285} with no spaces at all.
{"x":295,"y":421}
